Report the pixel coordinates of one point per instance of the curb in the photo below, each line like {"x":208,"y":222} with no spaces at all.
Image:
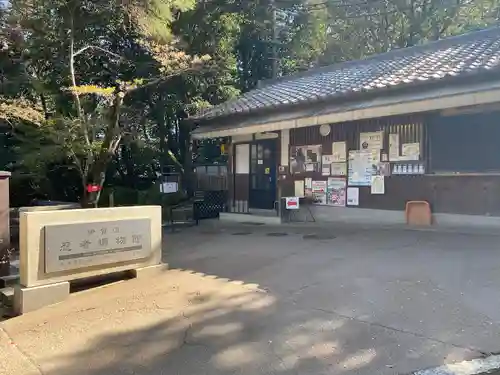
{"x":474,"y":367}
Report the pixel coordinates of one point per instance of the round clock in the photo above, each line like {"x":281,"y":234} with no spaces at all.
{"x":324,"y":130}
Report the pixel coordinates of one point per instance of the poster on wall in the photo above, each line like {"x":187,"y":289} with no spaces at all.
{"x":327,"y":159}
{"x":393,"y":147}
{"x":360,"y":168}
{"x":326,"y":162}
{"x":410,"y":151}
{"x":308,"y":187}
{"x":408,"y":168}
{"x":308,"y":183}
{"x":338,"y":169}
{"x":319,"y":189}
{"x":305,"y":159}
{"x":375,"y":156}
{"x":325,"y":169}
{"x":382,"y":169}
{"x":378,"y":185}
{"x":336,"y":191}
{"x":339,"y":152}
{"x":353,"y":196}
{"x":371,"y":141}
{"x":299,"y":188}
{"x":319,"y":186}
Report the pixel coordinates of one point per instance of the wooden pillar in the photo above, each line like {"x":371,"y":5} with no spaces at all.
{"x":4,"y":224}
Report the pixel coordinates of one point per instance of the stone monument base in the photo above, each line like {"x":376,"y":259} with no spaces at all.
{"x":36,"y":297}
{"x":149,"y":271}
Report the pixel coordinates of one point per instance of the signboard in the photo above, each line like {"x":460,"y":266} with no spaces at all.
{"x":81,"y":245}
{"x":169,"y":187}
{"x":292,"y":203}
{"x":93,"y":188}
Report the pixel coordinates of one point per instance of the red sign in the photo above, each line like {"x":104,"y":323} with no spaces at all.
{"x":93,"y":188}
{"x":292,"y":203}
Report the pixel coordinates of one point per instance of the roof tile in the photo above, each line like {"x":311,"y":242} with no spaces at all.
{"x":469,"y":53}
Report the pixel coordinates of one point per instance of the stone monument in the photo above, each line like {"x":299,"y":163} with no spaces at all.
{"x":4,"y":224}
{"x":57,"y":247}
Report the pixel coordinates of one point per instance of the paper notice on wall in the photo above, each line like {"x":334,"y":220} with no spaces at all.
{"x":353,"y":196}
{"x":371,"y":141}
{"x":319,"y":186}
{"x":360,"y":168}
{"x":299,"y":188}
{"x":338,"y":169}
{"x":308,"y":183}
{"x":382,"y":169}
{"x":393,"y":147}
{"x":378,"y":185}
{"x":305,"y":159}
{"x":336,"y":194}
{"x":339,"y":152}
{"x":325,"y":169}
{"x":320,"y":198}
{"x":319,"y":191}
{"x":375,"y":156}
{"x":410,"y":151}
{"x":327,"y":159}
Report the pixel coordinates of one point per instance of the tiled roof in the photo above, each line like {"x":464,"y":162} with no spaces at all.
{"x":474,"y":52}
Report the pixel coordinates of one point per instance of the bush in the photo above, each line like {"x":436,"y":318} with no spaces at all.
{"x":127,"y":197}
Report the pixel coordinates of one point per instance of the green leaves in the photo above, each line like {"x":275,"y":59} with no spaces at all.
{"x":154,"y":17}
{"x":20,"y":110}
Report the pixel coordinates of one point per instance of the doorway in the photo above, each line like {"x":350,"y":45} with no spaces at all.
{"x":263,"y":174}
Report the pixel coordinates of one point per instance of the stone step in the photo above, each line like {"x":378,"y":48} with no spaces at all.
{"x":7,"y":296}
{"x":11,"y":280}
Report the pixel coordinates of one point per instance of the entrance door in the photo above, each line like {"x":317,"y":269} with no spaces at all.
{"x":263,"y":174}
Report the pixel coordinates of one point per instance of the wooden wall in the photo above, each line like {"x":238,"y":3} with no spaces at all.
{"x":477,"y":194}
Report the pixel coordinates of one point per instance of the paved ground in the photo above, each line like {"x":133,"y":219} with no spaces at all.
{"x":242,"y":301}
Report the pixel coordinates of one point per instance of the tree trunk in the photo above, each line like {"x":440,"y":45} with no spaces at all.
{"x":97,"y":175}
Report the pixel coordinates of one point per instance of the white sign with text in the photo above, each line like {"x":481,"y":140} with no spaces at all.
{"x":81,"y":245}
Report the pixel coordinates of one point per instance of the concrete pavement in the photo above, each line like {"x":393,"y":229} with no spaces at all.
{"x":277,"y":300}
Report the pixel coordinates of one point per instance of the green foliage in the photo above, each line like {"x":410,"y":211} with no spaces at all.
{"x":98,"y":90}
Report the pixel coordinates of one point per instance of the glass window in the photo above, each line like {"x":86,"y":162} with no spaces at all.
{"x":465,"y":143}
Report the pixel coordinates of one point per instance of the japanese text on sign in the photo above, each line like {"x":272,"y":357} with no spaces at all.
{"x":73,"y":246}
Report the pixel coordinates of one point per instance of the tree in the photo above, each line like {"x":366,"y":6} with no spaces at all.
{"x":87,"y":126}
{"x":359,"y":29}
{"x":115,"y":79}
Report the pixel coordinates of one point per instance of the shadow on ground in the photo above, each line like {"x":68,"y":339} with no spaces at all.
{"x":237,"y":329}
{"x":299,"y":316}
